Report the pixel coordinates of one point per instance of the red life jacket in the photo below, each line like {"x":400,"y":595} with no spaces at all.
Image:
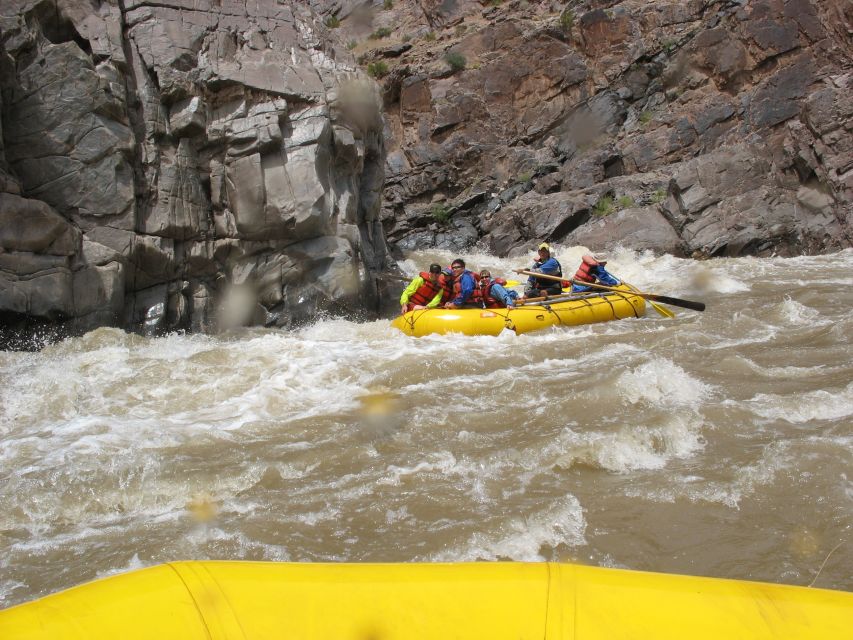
{"x":483,"y":294}
{"x":583,"y":273}
{"x":426,"y":291}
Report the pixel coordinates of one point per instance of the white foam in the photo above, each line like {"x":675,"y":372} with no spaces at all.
{"x":522,"y":538}
{"x":808,"y":407}
{"x":661,"y":382}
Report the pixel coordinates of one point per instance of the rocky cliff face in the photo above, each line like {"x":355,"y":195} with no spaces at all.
{"x":176,"y":164}
{"x":699,"y":128}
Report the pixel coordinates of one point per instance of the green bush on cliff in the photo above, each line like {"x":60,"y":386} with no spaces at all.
{"x":625,"y":202}
{"x":455,"y":60}
{"x":567,"y":20}
{"x":381,"y":32}
{"x":332,"y":22}
{"x":377,"y":69}
{"x":604,"y":206}
{"x":440,"y":213}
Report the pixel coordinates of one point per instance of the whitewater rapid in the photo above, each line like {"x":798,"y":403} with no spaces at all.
{"x":715,"y":443}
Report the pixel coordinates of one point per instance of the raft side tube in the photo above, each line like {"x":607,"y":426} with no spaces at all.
{"x":503,"y":600}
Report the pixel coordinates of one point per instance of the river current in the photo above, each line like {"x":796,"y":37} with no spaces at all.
{"x":716,"y":443}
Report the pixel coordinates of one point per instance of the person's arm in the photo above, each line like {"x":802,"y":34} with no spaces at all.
{"x":409,"y":291}
{"x":432,"y":304}
{"x":531,"y":280}
{"x":604,"y":277}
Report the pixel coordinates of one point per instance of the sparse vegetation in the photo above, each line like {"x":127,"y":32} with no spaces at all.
{"x":524,"y":177}
{"x":460,"y":29}
{"x":659,"y":196}
{"x":388,"y":4}
{"x":668,"y":45}
{"x":455,"y":60}
{"x":440,"y":213}
{"x":332,"y":22}
{"x":430,"y":36}
{"x":625,"y":202}
{"x":351,"y":45}
{"x":406,"y":37}
{"x":645,"y":117}
{"x":567,"y":20}
{"x":496,"y":3}
{"x":604,"y":206}
{"x":377,"y":69}
{"x":381,"y":32}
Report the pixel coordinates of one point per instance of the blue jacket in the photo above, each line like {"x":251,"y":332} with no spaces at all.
{"x":550,"y":268}
{"x":466,"y":285}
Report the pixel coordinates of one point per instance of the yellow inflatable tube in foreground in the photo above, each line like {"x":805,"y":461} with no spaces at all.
{"x":251,"y":601}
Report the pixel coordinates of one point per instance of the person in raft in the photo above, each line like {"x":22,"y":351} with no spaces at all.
{"x":464,"y":284}
{"x":592,"y":270}
{"x":427,"y":290}
{"x":546,"y":265}
{"x":491,"y":294}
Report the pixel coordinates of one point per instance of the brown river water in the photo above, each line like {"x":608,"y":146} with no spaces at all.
{"x":716,"y":443}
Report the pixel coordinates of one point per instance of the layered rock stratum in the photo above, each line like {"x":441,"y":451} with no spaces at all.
{"x":194,"y":164}
{"x":698,"y":128}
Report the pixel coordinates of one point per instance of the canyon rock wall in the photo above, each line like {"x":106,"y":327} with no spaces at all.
{"x":184,"y":165}
{"x":698,"y":128}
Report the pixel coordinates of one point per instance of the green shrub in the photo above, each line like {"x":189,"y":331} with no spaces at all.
{"x":659,"y":196}
{"x":351,"y":45}
{"x":625,"y":202}
{"x":645,"y":117}
{"x":430,"y":36}
{"x":604,"y":206}
{"x":567,"y":20}
{"x":455,"y":60}
{"x":440,"y":213}
{"x":388,"y":4}
{"x":332,"y":22}
{"x":524,"y":177}
{"x":382,"y":32}
{"x":377,"y":69}
{"x":460,"y":29}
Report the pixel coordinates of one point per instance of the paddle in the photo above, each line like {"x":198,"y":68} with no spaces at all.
{"x":676,"y":302}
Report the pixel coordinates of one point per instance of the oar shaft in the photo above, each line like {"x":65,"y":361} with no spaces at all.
{"x":677,"y":302}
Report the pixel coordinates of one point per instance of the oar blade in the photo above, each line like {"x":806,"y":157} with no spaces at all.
{"x":676,"y":302}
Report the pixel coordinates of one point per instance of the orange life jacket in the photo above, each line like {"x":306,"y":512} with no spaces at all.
{"x":446,"y":283}
{"x":483,"y":294}
{"x":584,"y":271}
{"x":426,"y":291}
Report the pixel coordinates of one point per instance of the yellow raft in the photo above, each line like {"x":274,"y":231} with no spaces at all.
{"x":580,"y":309}
{"x":256,"y":600}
